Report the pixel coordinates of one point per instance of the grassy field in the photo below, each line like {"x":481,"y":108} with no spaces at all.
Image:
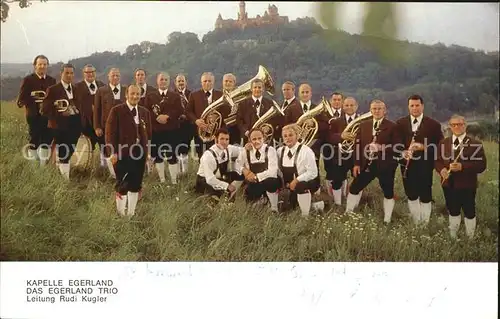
{"x":45,"y":218}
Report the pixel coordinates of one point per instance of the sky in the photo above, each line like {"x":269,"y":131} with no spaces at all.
{"x":72,"y":29}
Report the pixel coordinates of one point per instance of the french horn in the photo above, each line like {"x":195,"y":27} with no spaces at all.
{"x":212,"y":116}
{"x":262,"y":122}
{"x":347,"y":145}
{"x":309,"y":125}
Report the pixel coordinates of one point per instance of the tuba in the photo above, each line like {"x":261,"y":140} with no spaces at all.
{"x":213,"y":118}
{"x":263,"y":124}
{"x":309,"y":125}
{"x":353,"y":128}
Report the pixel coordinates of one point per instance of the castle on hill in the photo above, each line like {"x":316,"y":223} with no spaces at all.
{"x":271,"y":17}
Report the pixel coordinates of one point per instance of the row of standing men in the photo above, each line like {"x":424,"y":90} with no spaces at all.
{"x":176,"y":116}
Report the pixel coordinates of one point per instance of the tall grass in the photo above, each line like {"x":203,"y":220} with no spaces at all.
{"x":45,"y":218}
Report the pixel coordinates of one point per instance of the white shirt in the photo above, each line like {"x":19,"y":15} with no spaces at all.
{"x":306,"y":162}
{"x":415,"y":126}
{"x":289,"y":101}
{"x":162,"y":91}
{"x":308,"y":105}
{"x":208,"y":165}
{"x":210,"y":97}
{"x":41,"y":77}
{"x":136,"y":117}
{"x":339,"y":111}
{"x":260,"y":104}
{"x":92,"y":92}
{"x":378,"y":126}
{"x":460,"y":140}
{"x":145,"y":87}
{"x":65,"y":86}
{"x":272,"y":161}
{"x":347,"y":117}
{"x":117,"y":95}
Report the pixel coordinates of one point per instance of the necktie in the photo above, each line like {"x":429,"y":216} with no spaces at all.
{"x":349,"y":120}
{"x":207,"y":94}
{"x":115,"y":90}
{"x":134,"y":112}
{"x":257,"y":103}
{"x":92,"y":86}
{"x":68,"y":89}
{"x":456,"y":143}
{"x":223,"y":156}
{"x":304,"y":107}
{"x":415,"y":121}
{"x":257,"y":155}
{"x":163,"y":94}
{"x":142,"y":91}
{"x":336,"y":114}
{"x":375,"y":125}
{"x":290,"y":155}
{"x":286,"y":104}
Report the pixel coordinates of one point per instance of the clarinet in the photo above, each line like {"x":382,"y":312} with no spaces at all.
{"x":466,"y":140}
{"x":370,"y":156}
{"x":414,"y":134}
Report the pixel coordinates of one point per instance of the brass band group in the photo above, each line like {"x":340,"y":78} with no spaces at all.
{"x":244,"y":139}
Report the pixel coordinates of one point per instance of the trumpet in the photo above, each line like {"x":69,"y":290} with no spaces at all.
{"x":63,"y":105}
{"x":263,"y":124}
{"x":455,"y":161}
{"x":39,"y":96}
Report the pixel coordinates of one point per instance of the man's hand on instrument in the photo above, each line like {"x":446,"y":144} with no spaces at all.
{"x":444,"y":173}
{"x":98,"y":132}
{"x":347,"y":136}
{"x":356,"y":170}
{"x":407,"y":154}
{"x":201,"y":124}
{"x":417,"y":147}
{"x":456,"y":167}
{"x":293,"y":184}
{"x":248,"y":146}
{"x":246,"y":133}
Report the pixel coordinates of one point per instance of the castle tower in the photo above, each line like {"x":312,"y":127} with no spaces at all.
{"x":242,"y":15}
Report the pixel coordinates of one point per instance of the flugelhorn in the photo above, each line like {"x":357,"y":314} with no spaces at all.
{"x":213,"y":118}
{"x":63,"y":105}
{"x":309,"y":125}
{"x":39,"y":96}
{"x":347,"y":145}
{"x":263,"y":124}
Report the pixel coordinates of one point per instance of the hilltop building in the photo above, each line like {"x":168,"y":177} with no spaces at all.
{"x":271,"y":17}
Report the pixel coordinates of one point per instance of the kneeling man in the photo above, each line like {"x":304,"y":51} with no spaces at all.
{"x":259,"y":163}
{"x":298,"y":169}
{"x":215,"y":176}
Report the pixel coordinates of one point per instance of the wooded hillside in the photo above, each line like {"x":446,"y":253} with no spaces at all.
{"x":451,"y":79}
